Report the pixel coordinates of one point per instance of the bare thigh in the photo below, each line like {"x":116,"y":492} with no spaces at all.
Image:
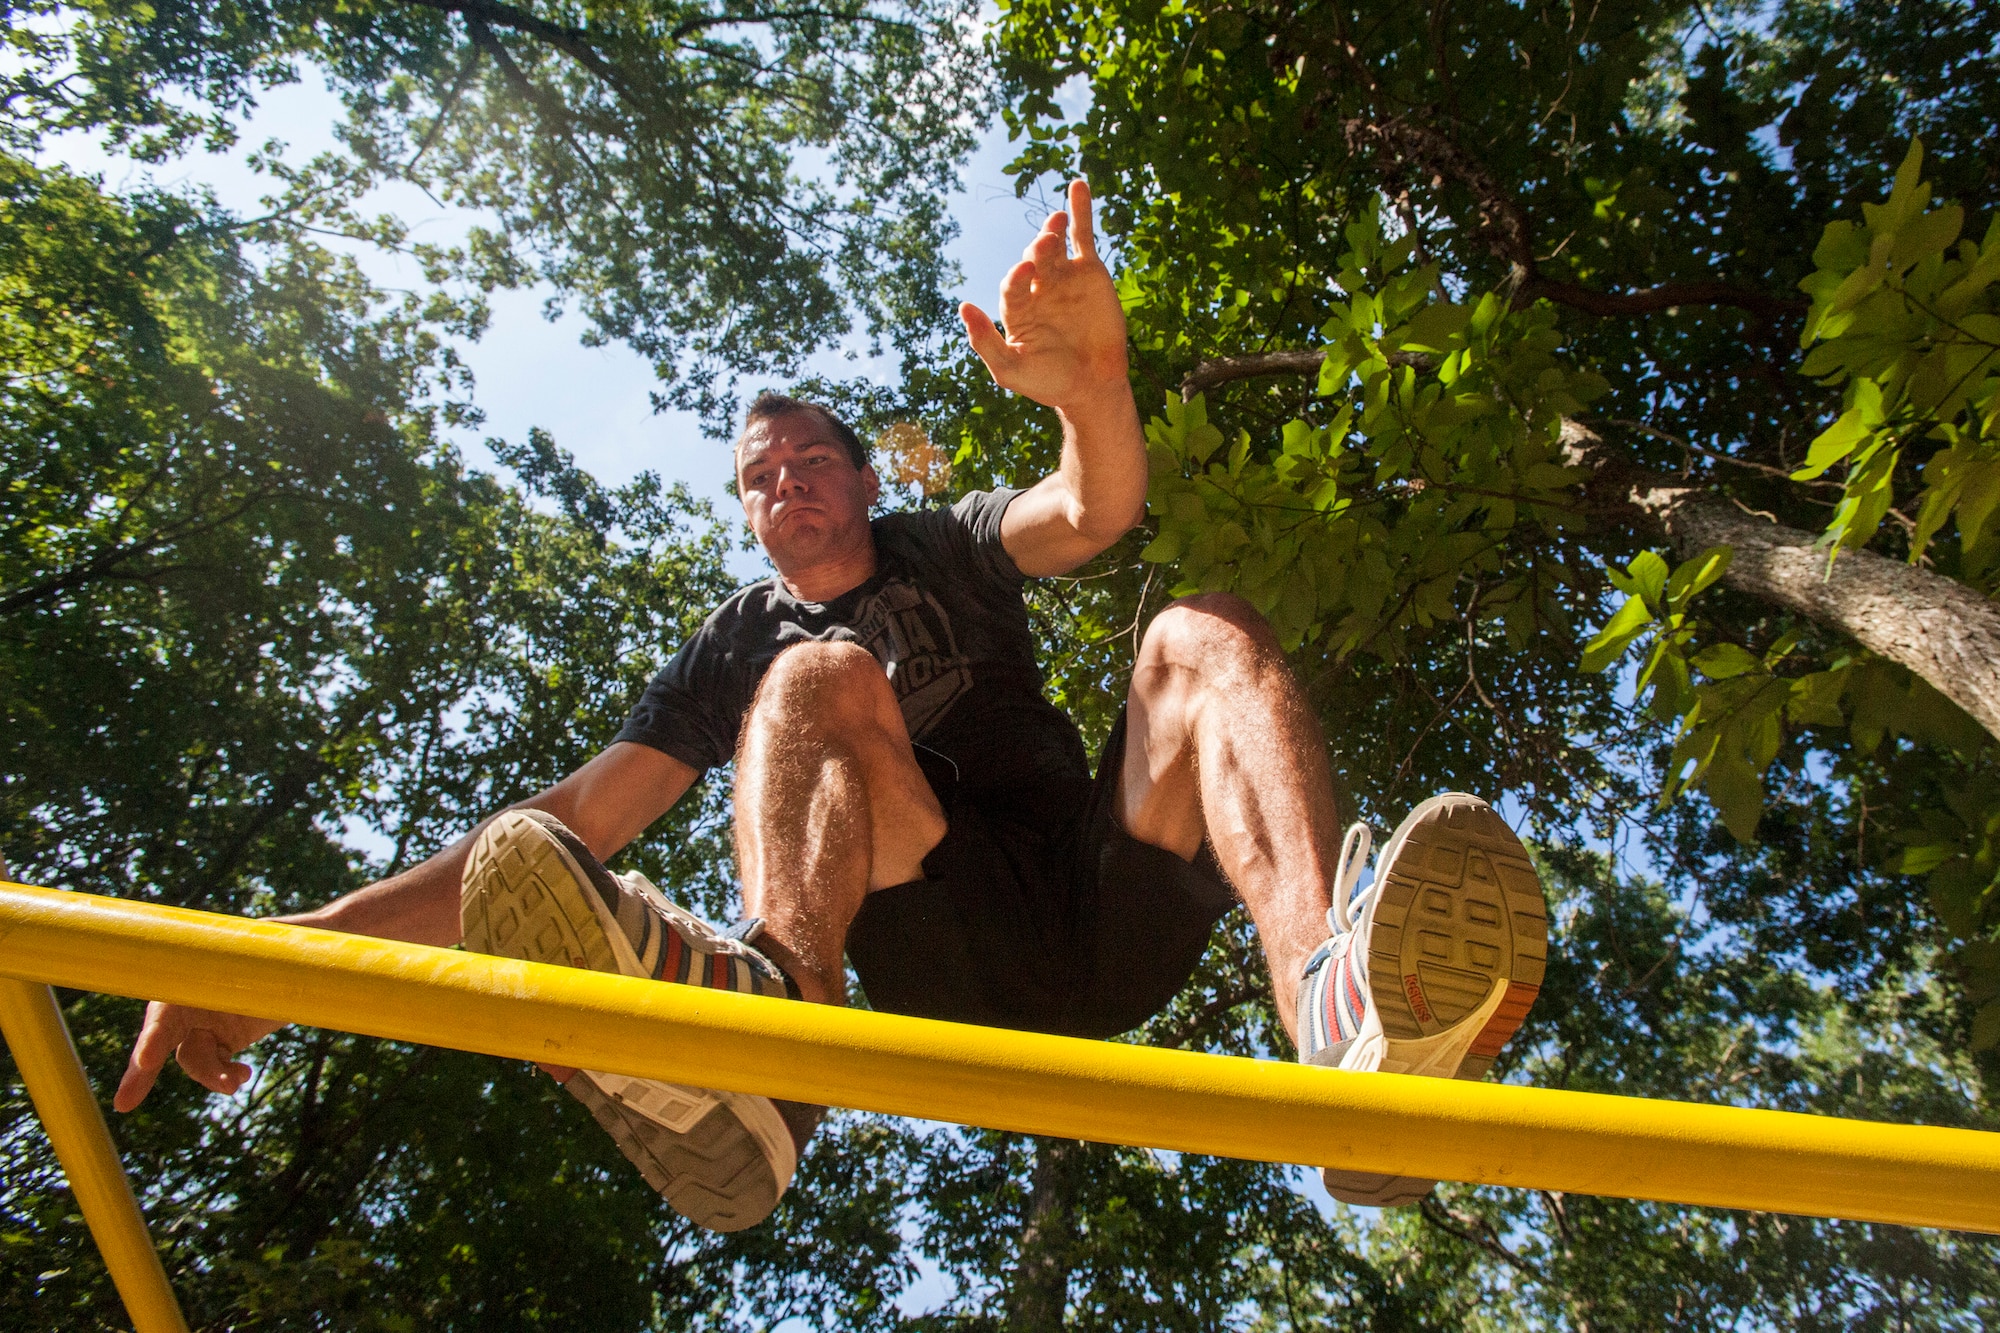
{"x":821,"y":704}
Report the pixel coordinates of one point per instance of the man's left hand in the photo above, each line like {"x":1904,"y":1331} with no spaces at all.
{"x":1064,"y":339}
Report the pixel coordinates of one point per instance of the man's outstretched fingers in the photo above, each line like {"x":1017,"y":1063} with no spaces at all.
{"x":1018,"y":284}
{"x":1081,"y":230}
{"x":1051,"y":242}
{"x":985,"y":337}
{"x":194,"y":1037}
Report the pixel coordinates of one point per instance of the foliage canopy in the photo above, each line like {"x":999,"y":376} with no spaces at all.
{"x":725,"y":187}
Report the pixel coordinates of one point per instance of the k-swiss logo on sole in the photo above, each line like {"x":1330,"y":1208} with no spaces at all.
{"x":1416,"y":994}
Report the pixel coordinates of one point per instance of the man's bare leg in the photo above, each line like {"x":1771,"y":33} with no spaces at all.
{"x":1220,"y":743}
{"x":830,"y":803}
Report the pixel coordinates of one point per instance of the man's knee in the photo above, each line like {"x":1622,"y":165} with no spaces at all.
{"x":834,"y":684}
{"x":1207,"y":632}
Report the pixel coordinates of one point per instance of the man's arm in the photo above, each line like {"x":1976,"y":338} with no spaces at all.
{"x":607,"y":803}
{"x":1064,"y":347}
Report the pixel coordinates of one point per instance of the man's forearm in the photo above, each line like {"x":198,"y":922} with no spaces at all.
{"x":419,"y":905}
{"x":607,"y":803}
{"x":1104,"y":462}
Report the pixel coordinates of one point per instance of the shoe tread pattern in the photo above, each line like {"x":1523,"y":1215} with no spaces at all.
{"x":1462,"y":909}
{"x":712,"y":1173}
{"x":521,"y":899}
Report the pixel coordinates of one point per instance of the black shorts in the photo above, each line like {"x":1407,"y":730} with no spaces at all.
{"x":1057,"y":923}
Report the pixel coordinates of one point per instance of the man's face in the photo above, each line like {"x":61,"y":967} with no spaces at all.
{"x":806,"y":501}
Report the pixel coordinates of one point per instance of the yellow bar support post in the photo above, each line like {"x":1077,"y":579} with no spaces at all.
{"x":1726,"y":1157}
{"x":48,"y":1062}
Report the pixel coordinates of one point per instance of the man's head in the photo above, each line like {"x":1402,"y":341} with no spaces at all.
{"x":806,"y":483}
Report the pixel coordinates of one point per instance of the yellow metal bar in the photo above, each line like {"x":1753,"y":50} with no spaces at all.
{"x":46,"y":1057}
{"x":1274,"y":1111}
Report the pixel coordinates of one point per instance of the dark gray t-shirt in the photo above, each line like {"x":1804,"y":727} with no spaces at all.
{"x":944,"y":617}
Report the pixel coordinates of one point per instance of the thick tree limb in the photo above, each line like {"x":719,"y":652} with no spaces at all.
{"x":1937,"y":627}
{"x":1226,"y":368}
{"x":1666,"y":296}
{"x":1504,"y":225}
{"x":695,"y":25}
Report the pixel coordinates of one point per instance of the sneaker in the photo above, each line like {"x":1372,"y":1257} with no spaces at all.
{"x":532,"y":890}
{"x":1432,"y":967}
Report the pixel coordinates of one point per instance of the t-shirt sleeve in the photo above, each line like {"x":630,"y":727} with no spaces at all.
{"x":975,"y":521}
{"x":682,"y":711}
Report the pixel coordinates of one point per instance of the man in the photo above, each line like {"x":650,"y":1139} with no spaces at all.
{"x":906,"y":799}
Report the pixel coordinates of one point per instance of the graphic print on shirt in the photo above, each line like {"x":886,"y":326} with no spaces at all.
{"x":910,"y":635}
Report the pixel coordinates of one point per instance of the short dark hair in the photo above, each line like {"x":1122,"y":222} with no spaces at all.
{"x":769,"y":405}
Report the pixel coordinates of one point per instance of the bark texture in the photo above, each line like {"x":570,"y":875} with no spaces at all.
{"x":1039,"y":1293}
{"x":1936,"y":626}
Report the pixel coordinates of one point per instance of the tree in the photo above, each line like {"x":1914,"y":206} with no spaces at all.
{"x":725,"y":187}
{"x":1445,"y":232}
{"x":256,"y":613}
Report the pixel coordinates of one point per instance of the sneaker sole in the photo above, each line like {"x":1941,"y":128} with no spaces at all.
{"x":1461,"y":932}
{"x":1461,"y":916}
{"x":722,"y":1159}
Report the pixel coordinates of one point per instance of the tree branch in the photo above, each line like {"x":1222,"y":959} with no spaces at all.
{"x":557,"y":115}
{"x":1937,"y":627}
{"x":579,"y":44}
{"x":695,"y":25}
{"x":1226,"y":368}
{"x":1652,"y":300}
{"x":1477,"y":1232}
{"x":1223,"y":369}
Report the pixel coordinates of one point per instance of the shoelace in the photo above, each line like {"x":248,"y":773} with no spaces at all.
{"x":1319,"y":1024}
{"x":738,"y":940}
{"x":1340,"y":917}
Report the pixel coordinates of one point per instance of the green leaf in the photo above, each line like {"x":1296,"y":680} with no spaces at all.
{"x":1163,"y":549}
{"x":1930,"y":234}
{"x":1833,"y":444}
{"x":1922,"y":860}
{"x":1906,"y":196}
{"x":1433,"y":328}
{"x":1843,"y":246}
{"x":1610,"y":643}
{"x":1645,"y":577}
{"x":1696,"y":575}
{"x":1986,"y":1026}
{"x":1815,"y":699}
{"x":1725,"y":660}
{"x":1738,"y":793}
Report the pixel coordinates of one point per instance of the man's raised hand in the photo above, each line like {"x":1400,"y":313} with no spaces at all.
{"x":1065,"y":331}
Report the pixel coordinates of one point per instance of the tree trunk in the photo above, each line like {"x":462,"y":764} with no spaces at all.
{"x":1936,"y":626}
{"x":1039,"y":1293}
